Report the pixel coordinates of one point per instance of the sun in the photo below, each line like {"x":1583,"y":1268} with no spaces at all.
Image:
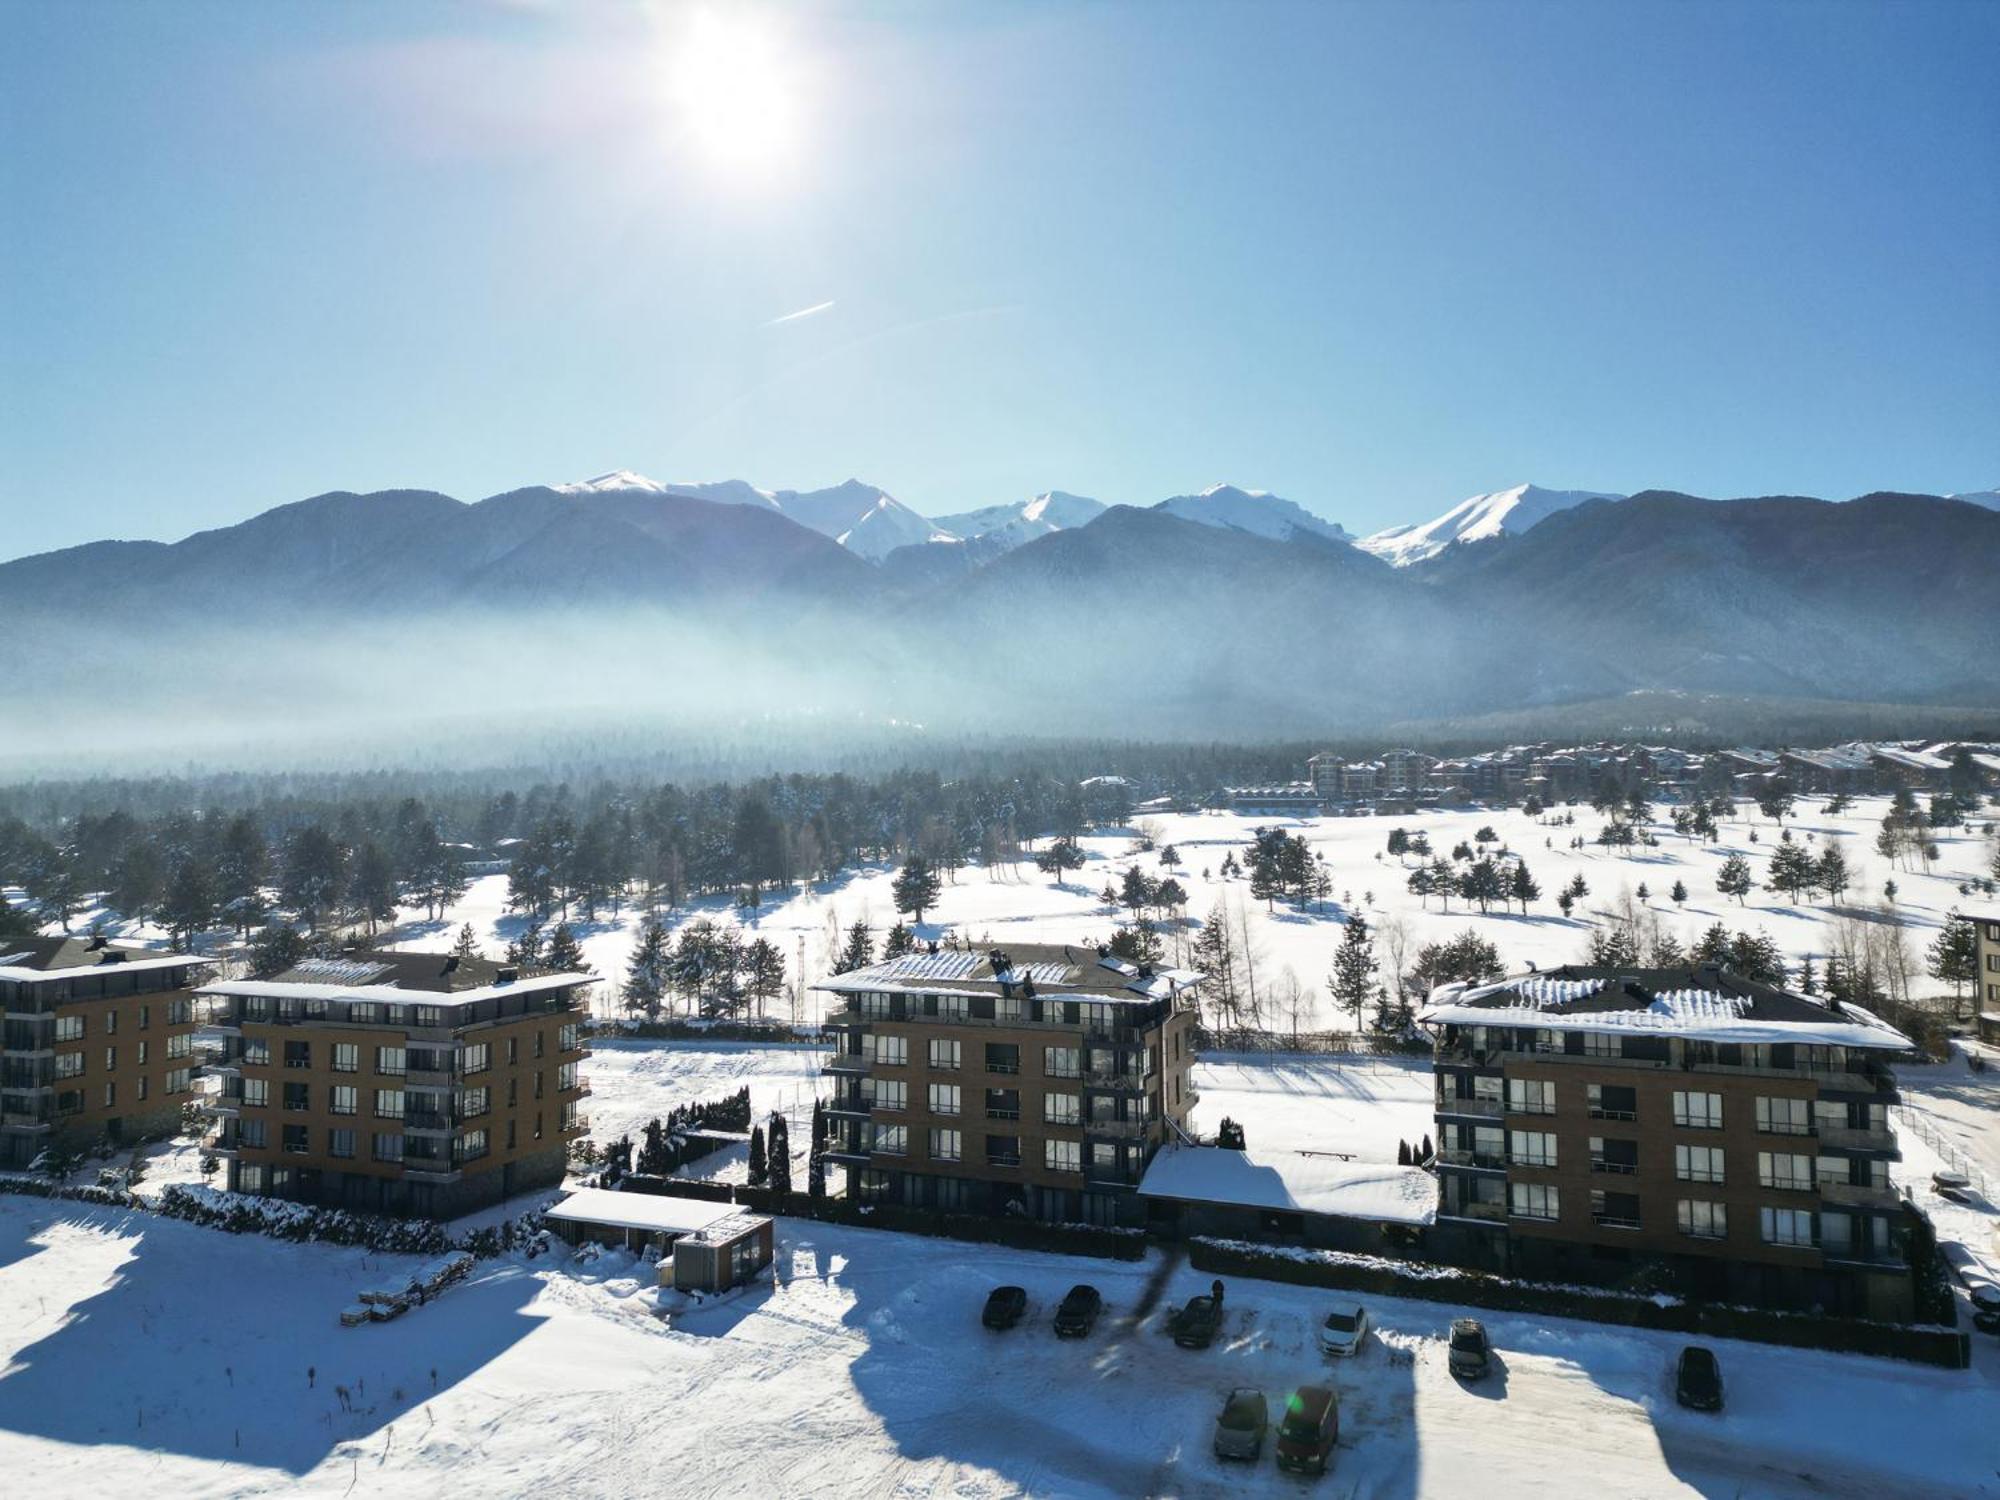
{"x":731,"y":85}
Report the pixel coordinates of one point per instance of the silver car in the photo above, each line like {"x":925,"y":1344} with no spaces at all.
{"x":1239,"y":1431}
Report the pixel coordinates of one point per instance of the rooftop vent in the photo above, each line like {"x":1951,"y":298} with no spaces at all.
{"x":97,"y":940}
{"x":506,"y":976}
{"x":451,"y":964}
{"x":114,"y":956}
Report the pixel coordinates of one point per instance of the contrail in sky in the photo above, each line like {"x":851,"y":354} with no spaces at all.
{"x":804,"y":312}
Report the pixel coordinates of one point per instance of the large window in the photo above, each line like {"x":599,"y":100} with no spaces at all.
{"x":890,"y":1140}
{"x":947,"y":1145}
{"x":1784,"y":1116}
{"x":69,"y":1065}
{"x":472,"y":1103}
{"x":1062,"y":1109}
{"x":1063,"y":1156}
{"x":1061,"y":1062}
{"x":945,"y":1099}
{"x":1602,"y":1044}
{"x":890,"y":1051}
{"x":473,"y":1145}
{"x":944,"y":1055}
{"x":953,"y":1007}
{"x":1698,"y":1163}
{"x":69,"y":1028}
{"x":340,"y":1143}
{"x":255,"y":1134}
{"x":346,"y":1057}
{"x":1531,"y":1148}
{"x":1702,"y":1220}
{"x":1792,"y":1171}
{"x":256,"y":1091}
{"x":891,"y":1093}
{"x":180,"y":1044}
{"x":1698,"y":1111}
{"x":344,"y":1099}
{"x":389,"y":1147}
{"x":1531,"y":1096}
{"x":389,"y":1104}
{"x":1533,"y":1200}
{"x":477,"y":1057}
{"x":1786,"y":1226}
{"x":389,"y":1060}
{"x":298,"y":1054}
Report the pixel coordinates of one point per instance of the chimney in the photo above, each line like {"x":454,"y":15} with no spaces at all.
{"x":97,"y":941}
{"x":506,"y":976}
{"x":451,"y":963}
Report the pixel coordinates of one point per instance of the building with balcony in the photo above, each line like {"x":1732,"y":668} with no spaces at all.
{"x":1985,"y":920}
{"x":97,"y":1043}
{"x":1039,"y":1080}
{"x":402,"y":1083}
{"x":1684,"y":1127}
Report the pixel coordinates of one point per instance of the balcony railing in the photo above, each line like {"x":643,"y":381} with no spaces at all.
{"x":1860,"y":1194}
{"x":1491,"y":1213}
{"x":1617,"y":1168}
{"x":1122,"y":1129}
{"x":1455,"y":1156}
{"x":1843,"y":1139}
{"x":1003,"y":1160}
{"x":1002,"y":1114}
{"x":1485,"y":1109}
{"x":848,"y":1062}
{"x":1615,"y":1221}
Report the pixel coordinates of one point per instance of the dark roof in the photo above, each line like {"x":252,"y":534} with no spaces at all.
{"x":1056,"y":970}
{"x":78,"y":951}
{"x":437,"y":973}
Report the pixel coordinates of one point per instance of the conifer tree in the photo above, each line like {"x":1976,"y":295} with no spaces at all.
{"x":1352,"y":981}
{"x":1522,"y":886}
{"x":1679,"y":894}
{"x":565,"y":955}
{"x":760,"y":1167}
{"x":859,"y":951}
{"x":780,"y":1163}
{"x":467,"y":946}
{"x":646,"y":972}
{"x":916,"y":888}
{"x":899,"y":941}
{"x":1733,"y":879}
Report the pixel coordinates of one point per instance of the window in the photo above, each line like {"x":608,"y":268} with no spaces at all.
{"x":891,"y":1093}
{"x":891,"y":1140}
{"x":110,"y":1059}
{"x":874,"y":1006}
{"x":1702,"y":1220}
{"x":180,"y":1011}
{"x":1003,"y":1151}
{"x":389,"y":1104}
{"x":477,"y":1058}
{"x":145,"y":1016}
{"x":111,"y":1023}
{"x":298,"y":1096}
{"x":1784,"y":1116}
{"x":346,"y":1057}
{"x":143,"y":1054}
{"x":514,"y":1049}
{"x":1003,"y":1057}
{"x":1062,"y":1109}
{"x":180,"y":1044}
{"x":1009,"y":1008}
{"x":344,"y":1099}
{"x":69,"y":1065}
{"x":1614,"y":1210}
{"x":255,"y":1134}
{"x":1061,"y":1062}
{"x":142,"y":1085}
{"x":1698,"y":1163}
{"x":1698,"y":1111}
{"x":472,"y":1103}
{"x":1104,"y":1156}
{"x":389,"y":1060}
{"x":472,"y":1145}
{"x":1531,"y":1148}
{"x":944,"y":1099}
{"x":1784,"y":1169}
{"x":298,"y":1054}
{"x":110,"y":1096}
{"x":566,"y":1036}
{"x":944,"y":1055}
{"x":389,"y":1147}
{"x":1531,"y":1096}
{"x":946,"y":1145}
{"x":296,"y":1140}
{"x":250,"y":1177}
{"x":1615,"y":1156}
{"x":365,"y":1013}
{"x":257,"y":1091}
{"x":69,"y":1028}
{"x":256,"y":1052}
{"x":1603,"y":1044}
{"x":890,"y":1051}
{"x":1532,"y":1200}
{"x":1062,"y":1156}
{"x":954,"y":1007}
{"x":340,"y":1143}
{"x":1786,"y":1226}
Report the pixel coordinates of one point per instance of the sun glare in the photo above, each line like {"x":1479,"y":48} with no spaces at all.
{"x":732,"y":88}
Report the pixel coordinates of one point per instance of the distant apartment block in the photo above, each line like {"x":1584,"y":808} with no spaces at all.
{"x":1038,"y":1080}
{"x":1729,"y":1137}
{"x":403,"y":1083}
{"x":1985,"y":921}
{"x":97,"y":1045}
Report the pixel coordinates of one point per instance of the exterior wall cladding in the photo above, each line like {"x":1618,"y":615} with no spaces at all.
{"x":422,"y":1121}
{"x":1063,"y":1141}
{"x":1790,"y":1130}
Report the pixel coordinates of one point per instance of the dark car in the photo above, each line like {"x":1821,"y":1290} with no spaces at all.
{"x":1239,"y":1431}
{"x":1471,"y":1351}
{"x":1078,"y":1312}
{"x":1195,"y":1324}
{"x":1310,"y":1430}
{"x":1698,"y":1379}
{"x":1004,"y":1307}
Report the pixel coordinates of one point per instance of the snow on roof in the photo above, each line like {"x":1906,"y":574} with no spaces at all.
{"x":393,"y":994}
{"x":640,"y":1211}
{"x":1305,"y":1182}
{"x":21,"y":974}
{"x":1058,"y":972}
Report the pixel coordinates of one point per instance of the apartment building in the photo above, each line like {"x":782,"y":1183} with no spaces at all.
{"x":1685,"y":1127}
{"x":402,"y":1083}
{"x":97,"y":1043}
{"x":1985,"y":920}
{"x":1038,"y":1080}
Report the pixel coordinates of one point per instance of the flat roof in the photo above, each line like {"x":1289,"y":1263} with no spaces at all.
{"x":390,"y":992}
{"x":1057,"y":971}
{"x":646,"y":1211}
{"x":1303,"y":1182}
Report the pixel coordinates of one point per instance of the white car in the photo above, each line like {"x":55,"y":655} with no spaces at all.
{"x":1345,"y":1327}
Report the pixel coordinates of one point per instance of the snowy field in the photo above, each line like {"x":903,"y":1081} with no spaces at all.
{"x":1020,"y":904}
{"x":148,"y":1357}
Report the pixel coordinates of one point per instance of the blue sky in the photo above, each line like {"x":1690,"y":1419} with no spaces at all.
{"x":1373,"y":257}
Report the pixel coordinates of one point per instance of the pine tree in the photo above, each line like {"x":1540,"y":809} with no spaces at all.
{"x":1215,"y":956}
{"x":899,"y":941}
{"x":467,"y":946}
{"x":1403,"y":1154}
{"x":1482,"y":883}
{"x":1679,"y":894}
{"x":1733,"y":879}
{"x":275,"y":949}
{"x":859,"y":952}
{"x":1352,"y":981}
{"x":1831,"y":873}
{"x":646,"y":972}
{"x":816,"y":1176}
{"x":653,"y":1151}
{"x":525,"y":952}
{"x":780,"y":1164}
{"x":1953,"y":956}
{"x":1061,"y":854}
{"x":916,"y":888}
{"x":819,"y":1125}
{"x":565,"y":955}
{"x":760,"y":1167}
{"x":189,"y":907}
{"x":1522,"y":886}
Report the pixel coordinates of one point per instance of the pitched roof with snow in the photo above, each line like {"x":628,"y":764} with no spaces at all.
{"x":1305,"y":1182}
{"x":648,"y":1211}
{"x":31,"y":960}
{"x":1056,"y":971}
{"x":1702,"y":1004}
{"x":428,"y":978}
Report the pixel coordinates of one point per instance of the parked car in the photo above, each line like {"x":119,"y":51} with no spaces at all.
{"x":1239,"y":1431}
{"x":1004,"y":1307}
{"x":1195,"y":1325}
{"x":1310,"y":1430}
{"x":1078,"y":1313}
{"x":1344,"y":1329}
{"x":1471,"y":1350}
{"x":1698,"y":1379}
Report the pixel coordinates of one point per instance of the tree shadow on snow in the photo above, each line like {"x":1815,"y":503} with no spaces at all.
{"x":201,"y":1343}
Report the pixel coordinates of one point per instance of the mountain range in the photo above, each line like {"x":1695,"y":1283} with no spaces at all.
{"x":1224,"y":611}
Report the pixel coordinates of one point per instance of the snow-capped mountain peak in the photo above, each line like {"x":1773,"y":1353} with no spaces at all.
{"x":1008,"y":526}
{"x":1258,"y":512}
{"x":1990,"y":499}
{"x":617,"y":479}
{"x":1481,"y":518}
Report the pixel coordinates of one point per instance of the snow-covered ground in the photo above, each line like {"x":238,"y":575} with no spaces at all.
{"x":140,"y":1356}
{"x":1022,"y":904}
{"x":1359,"y":1105}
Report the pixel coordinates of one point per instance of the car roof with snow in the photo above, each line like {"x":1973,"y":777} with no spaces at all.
{"x":1707,"y":1003}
